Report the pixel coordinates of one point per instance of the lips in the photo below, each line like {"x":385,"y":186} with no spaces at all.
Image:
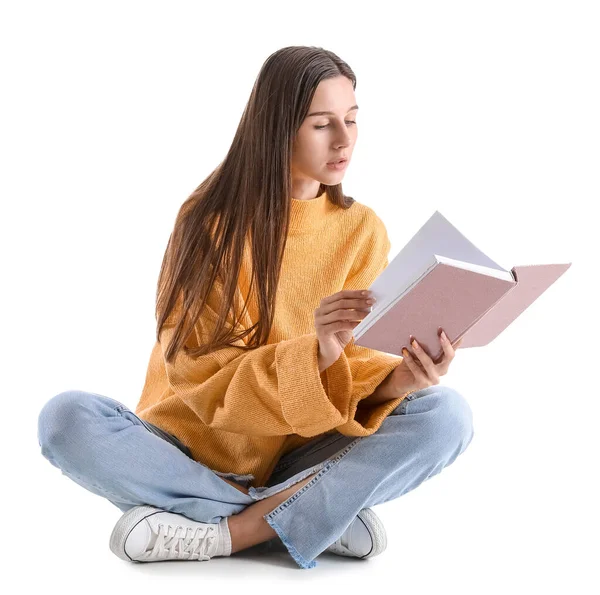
{"x":336,"y":161}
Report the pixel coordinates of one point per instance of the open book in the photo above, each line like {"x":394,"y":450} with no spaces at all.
{"x":440,"y":279}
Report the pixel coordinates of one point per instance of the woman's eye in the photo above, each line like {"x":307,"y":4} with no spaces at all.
{"x":325,"y":126}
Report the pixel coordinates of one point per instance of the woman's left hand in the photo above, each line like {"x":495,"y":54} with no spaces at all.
{"x":413,"y":373}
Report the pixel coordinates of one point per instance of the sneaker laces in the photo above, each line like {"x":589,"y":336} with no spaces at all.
{"x":170,"y":544}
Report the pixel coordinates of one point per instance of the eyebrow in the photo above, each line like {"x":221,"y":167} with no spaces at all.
{"x":329,"y":113}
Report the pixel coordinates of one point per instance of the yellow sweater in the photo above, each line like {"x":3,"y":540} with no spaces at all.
{"x":241,"y":411}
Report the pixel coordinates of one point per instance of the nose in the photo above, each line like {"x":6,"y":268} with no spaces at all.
{"x":345,"y":142}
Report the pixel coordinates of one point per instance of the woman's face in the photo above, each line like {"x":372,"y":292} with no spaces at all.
{"x":325,"y":137}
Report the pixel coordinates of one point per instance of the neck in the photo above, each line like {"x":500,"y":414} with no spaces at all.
{"x":308,"y":215}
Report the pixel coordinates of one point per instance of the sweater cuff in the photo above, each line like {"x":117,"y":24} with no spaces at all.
{"x":366,"y":421}
{"x":306,"y":406}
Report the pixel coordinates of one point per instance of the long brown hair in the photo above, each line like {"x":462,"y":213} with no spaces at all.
{"x":247,"y":195}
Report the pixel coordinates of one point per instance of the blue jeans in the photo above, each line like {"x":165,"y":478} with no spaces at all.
{"x":106,"y":448}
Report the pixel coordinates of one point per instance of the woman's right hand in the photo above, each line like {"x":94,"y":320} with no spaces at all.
{"x":335,"y":319}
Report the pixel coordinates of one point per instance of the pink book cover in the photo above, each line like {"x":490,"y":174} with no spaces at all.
{"x":440,"y":279}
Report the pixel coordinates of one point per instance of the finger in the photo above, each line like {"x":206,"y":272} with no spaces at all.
{"x":343,"y":314}
{"x":418,"y":373}
{"x":344,"y":307}
{"x":344,"y":295}
{"x":448,"y":347}
{"x":444,"y":361}
{"x":432,"y":370}
{"x":425,"y":359}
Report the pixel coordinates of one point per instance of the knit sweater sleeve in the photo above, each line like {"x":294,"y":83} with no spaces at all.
{"x":272,"y":390}
{"x":359,"y":370}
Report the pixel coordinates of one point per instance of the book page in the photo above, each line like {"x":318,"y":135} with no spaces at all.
{"x":437,"y":236}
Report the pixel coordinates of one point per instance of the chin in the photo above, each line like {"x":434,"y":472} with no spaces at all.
{"x":332,"y":173}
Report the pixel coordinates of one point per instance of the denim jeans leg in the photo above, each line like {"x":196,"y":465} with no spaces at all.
{"x":424,"y":434}
{"x":103,"y":446}
{"x":106,"y":448}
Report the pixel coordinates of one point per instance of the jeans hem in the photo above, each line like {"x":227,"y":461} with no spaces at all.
{"x":300,"y":560}
{"x":261,"y":493}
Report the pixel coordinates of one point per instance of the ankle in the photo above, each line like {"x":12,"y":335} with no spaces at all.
{"x":238,"y":532}
{"x":249,"y":527}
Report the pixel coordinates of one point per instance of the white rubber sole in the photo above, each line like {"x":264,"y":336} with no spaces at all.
{"x":124,"y":526}
{"x":376,"y":529}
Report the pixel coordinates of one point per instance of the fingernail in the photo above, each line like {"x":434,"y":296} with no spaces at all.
{"x":444,"y":336}
{"x":415,"y":344}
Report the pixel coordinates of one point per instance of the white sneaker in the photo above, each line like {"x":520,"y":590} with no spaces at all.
{"x":364,"y":538}
{"x":148,"y":534}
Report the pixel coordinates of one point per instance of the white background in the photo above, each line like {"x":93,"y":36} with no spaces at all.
{"x":113,"y":112}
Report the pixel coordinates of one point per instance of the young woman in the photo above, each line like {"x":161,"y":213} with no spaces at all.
{"x":260,"y":421}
